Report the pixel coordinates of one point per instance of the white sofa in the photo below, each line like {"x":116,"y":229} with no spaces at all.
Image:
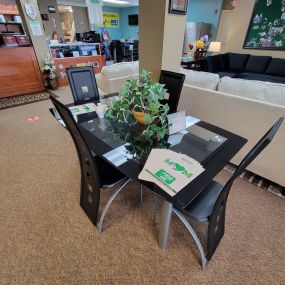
{"x":247,"y":108}
{"x":112,"y":77}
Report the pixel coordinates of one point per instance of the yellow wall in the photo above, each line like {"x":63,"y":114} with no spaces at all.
{"x":238,"y":24}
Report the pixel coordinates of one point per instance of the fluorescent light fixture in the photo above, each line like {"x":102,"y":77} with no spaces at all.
{"x":116,"y":2}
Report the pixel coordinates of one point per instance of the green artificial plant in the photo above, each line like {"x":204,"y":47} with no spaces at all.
{"x":144,"y":96}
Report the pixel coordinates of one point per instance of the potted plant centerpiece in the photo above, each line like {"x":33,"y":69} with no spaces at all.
{"x":139,"y":102}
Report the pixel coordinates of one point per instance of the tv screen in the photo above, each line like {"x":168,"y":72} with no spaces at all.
{"x":133,"y":20}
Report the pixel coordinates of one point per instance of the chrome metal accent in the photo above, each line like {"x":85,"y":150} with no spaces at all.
{"x":182,"y":218}
{"x":109,"y":202}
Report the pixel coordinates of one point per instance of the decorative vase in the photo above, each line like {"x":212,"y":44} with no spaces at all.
{"x":53,"y":85}
{"x":139,"y":116}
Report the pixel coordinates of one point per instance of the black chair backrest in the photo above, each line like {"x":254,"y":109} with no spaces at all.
{"x":217,"y":219}
{"x":116,"y":44}
{"x":83,"y":84}
{"x":173,"y":83}
{"x":90,"y":181}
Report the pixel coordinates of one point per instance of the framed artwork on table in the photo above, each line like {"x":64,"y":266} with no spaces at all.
{"x":266,"y":28}
{"x":178,"y":7}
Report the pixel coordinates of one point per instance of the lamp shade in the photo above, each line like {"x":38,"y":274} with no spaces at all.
{"x":214,"y":47}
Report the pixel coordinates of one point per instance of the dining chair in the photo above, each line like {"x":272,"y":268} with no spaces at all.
{"x":83,"y":84}
{"x":96,"y":174}
{"x":173,"y":82}
{"x":209,"y":207}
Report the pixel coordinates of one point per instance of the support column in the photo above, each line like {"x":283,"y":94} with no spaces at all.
{"x":161,"y":37}
{"x":37,"y":35}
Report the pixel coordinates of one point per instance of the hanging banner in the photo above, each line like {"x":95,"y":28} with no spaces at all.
{"x":110,"y":20}
{"x":95,"y":11}
{"x":9,"y":9}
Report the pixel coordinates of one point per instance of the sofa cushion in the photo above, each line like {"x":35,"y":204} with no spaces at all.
{"x":254,"y":76}
{"x":201,"y":79}
{"x":276,"y":67}
{"x":120,"y":69}
{"x":237,"y":61}
{"x":258,"y":90}
{"x":224,"y":61}
{"x":227,"y":73}
{"x":257,"y":64}
{"x":213,"y":63}
{"x":276,"y":79}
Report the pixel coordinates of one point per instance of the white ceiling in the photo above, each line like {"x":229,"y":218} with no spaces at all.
{"x":129,"y":4}
{"x":82,"y":3}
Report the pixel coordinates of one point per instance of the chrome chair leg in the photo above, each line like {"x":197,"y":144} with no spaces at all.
{"x":141,"y":194}
{"x":204,"y":260}
{"x":155,"y":210}
{"x":109,"y":202}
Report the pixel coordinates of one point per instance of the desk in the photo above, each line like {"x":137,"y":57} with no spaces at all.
{"x":19,"y":72}
{"x":102,"y":136}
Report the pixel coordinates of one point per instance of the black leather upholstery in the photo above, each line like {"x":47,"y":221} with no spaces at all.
{"x":210,"y":205}
{"x":251,"y":67}
{"x":276,"y":67}
{"x":257,"y":64}
{"x":201,"y":208}
{"x":173,"y":83}
{"x":237,"y":61}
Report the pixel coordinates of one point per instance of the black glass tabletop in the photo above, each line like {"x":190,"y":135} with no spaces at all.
{"x":126,"y":149}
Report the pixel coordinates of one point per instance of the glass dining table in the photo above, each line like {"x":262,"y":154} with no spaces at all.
{"x":125,"y":148}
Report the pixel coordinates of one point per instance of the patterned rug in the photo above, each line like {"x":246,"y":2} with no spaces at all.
{"x":259,"y":181}
{"x":14,"y":101}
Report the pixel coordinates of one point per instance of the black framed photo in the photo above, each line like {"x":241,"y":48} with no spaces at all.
{"x":178,"y":7}
{"x":44,"y":17}
{"x":266,"y":28}
{"x":51,"y":9}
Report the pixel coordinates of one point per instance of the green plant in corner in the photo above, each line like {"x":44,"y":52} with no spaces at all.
{"x":139,"y":101}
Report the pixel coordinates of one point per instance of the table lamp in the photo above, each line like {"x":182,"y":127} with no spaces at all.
{"x":214,"y":47}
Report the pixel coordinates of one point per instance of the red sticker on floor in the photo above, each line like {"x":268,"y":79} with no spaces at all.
{"x":33,"y":118}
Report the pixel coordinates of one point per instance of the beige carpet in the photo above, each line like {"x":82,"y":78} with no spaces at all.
{"x":45,"y":238}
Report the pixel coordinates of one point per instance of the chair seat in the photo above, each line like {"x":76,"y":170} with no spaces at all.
{"x":109,"y":176}
{"x":201,"y":208}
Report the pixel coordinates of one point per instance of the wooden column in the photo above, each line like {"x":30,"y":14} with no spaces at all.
{"x":161,"y":37}
{"x":38,"y":37}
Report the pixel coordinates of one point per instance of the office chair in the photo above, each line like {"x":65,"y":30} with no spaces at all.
{"x":136,"y":50}
{"x":96,"y":174}
{"x":116,"y":50}
{"x":210,"y":205}
{"x":173,"y":83}
{"x":83,"y":84}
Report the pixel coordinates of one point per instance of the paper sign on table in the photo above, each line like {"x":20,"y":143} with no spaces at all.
{"x":171,"y":171}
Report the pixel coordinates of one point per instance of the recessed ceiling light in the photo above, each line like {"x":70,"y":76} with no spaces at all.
{"x":116,"y":2}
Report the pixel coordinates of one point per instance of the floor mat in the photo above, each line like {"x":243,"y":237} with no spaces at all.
{"x":14,"y":101}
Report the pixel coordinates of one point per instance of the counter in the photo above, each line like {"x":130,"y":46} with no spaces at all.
{"x":76,"y":55}
{"x":19,"y":72}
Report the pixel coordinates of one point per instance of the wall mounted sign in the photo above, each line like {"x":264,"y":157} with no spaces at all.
{"x":178,"y":7}
{"x":9,"y":9}
{"x":31,"y":10}
{"x":51,"y":9}
{"x":110,"y":20}
{"x":36,"y":28}
{"x":267,"y":26}
{"x":44,"y":17}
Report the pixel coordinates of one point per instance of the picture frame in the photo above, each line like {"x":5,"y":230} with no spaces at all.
{"x":178,"y":7}
{"x":51,"y":9}
{"x":265,"y":30}
{"x":44,"y":17}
